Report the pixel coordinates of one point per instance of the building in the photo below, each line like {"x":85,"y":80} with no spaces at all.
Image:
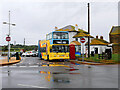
{"x":114,"y":37}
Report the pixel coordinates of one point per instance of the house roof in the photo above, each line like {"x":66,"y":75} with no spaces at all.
{"x":98,"y":42}
{"x":75,"y":43}
{"x":67,"y":28}
{"x":82,"y":34}
{"x":71,"y":28}
{"x":81,"y":30}
{"x":115,"y":30}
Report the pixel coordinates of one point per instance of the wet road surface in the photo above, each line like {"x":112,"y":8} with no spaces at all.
{"x":32,"y":72}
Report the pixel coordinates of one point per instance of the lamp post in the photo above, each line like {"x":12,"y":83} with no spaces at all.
{"x":9,"y":35}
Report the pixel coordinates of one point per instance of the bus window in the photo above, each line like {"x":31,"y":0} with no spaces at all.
{"x":50,"y":49}
{"x":43,"y":49}
{"x":60,"y":35}
{"x":67,"y":48}
{"x":50,"y":35}
{"x":53,"y":48}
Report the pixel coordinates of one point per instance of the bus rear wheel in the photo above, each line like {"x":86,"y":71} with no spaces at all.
{"x":48,"y":57}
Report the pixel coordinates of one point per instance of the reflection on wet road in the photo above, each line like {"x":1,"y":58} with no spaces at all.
{"x":35,"y":73}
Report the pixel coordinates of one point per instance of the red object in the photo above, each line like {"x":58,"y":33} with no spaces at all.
{"x":8,"y":38}
{"x":72,"y":69}
{"x":72,"y":52}
{"x":82,"y":40}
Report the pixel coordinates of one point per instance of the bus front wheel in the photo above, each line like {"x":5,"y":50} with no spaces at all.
{"x":41,"y":57}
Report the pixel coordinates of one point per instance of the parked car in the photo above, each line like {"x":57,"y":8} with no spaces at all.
{"x":30,"y":54}
{"x":33,"y":53}
{"x":27,"y":54}
{"x":36,"y":53}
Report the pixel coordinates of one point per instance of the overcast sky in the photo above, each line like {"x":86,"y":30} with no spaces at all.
{"x":35,"y":19}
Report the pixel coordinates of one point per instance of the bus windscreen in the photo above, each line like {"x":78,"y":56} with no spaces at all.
{"x":60,"y":48}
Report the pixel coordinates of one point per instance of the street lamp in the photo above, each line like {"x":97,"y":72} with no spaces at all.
{"x":9,"y":35}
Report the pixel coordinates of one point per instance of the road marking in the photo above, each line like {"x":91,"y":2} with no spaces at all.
{"x":33,"y":66}
{"x":31,"y":86}
{"x":22,"y":66}
{"x":12,"y":66}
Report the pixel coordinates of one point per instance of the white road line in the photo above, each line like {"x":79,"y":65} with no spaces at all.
{"x":33,"y":66}
{"x":12,"y":66}
{"x":22,"y":66}
{"x":5,"y":66}
{"x":31,"y":86}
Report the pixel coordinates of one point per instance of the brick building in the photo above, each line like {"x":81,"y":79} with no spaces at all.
{"x":114,"y":37}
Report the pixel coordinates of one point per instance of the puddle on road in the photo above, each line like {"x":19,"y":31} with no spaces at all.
{"x":72,"y":69}
{"x":61,"y":80}
{"x":50,"y":77}
{"x":54,"y":64}
{"x":47,"y":72}
{"x":74,"y":63}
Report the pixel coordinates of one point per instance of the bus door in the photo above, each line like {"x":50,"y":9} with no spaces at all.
{"x":72,"y":51}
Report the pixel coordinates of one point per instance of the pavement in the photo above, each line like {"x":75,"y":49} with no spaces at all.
{"x":12,"y":60}
{"x":84,"y":62}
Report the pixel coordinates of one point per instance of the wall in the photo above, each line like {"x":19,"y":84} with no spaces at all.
{"x":71,"y":34}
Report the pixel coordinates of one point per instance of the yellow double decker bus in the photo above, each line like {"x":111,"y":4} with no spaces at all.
{"x":56,"y":46}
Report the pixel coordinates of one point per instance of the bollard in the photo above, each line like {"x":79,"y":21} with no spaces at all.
{"x":17,"y":56}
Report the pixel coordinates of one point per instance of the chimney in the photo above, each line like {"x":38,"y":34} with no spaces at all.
{"x":76,"y":27}
{"x":101,"y":37}
{"x":97,"y":37}
{"x":56,"y":28}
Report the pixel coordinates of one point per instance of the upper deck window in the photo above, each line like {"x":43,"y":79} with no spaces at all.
{"x":60,"y":35}
{"x":49,"y":36}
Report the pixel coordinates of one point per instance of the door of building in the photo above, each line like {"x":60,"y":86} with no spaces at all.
{"x":96,"y":50}
{"x":72,"y":51}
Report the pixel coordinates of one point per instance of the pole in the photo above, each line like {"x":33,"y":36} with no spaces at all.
{"x":8,"y":50}
{"x":9,"y":35}
{"x":83,"y":52}
{"x":24,"y":41}
{"x":88,"y":31}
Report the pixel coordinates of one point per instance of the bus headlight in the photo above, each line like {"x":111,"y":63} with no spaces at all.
{"x":54,"y":55}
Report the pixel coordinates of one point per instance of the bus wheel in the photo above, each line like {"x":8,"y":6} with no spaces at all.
{"x":40,"y":57}
{"x":48,"y":57}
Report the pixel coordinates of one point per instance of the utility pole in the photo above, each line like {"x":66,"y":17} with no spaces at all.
{"x":88,"y":30}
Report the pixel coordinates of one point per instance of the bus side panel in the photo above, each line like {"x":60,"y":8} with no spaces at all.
{"x":39,"y":49}
{"x":39,"y":53}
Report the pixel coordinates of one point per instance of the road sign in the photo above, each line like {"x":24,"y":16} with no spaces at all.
{"x":8,"y":38}
{"x":82,"y":40}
